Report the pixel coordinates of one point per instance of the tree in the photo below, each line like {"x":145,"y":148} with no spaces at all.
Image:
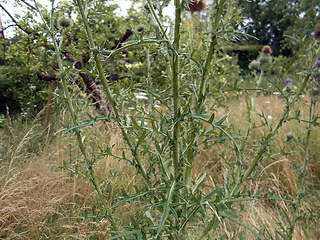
{"x":269,"y":20}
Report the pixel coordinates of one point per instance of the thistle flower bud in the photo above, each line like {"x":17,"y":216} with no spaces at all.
{"x":64,"y":22}
{"x":289,"y":87}
{"x":140,"y":28}
{"x":289,"y":136}
{"x":265,"y":59}
{"x":254,"y":65}
{"x":196,"y":6}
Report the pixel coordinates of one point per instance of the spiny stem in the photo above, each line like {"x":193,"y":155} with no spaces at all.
{"x":210,"y":53}
{"x":157,"y":19}
{"x":303,"y":172}
{"x":176,"y":86}
{"x":175,"y":81}
{"x":201,"y":92}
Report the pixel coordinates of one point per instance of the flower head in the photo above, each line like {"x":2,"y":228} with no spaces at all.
{"x":196,"y":6}
{"x":266,"y":49}
{"x":289,"y":80}
{"x":317,"y":64}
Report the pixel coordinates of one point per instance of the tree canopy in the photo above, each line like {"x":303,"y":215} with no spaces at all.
{"x":271,"y":20}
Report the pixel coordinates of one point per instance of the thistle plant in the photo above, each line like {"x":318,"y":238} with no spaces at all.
{"x":163,"y":146}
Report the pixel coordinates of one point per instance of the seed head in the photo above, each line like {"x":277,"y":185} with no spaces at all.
{"x":196,"y":6}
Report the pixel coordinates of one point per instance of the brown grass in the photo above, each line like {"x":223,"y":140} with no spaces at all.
{"x":29,"y":199}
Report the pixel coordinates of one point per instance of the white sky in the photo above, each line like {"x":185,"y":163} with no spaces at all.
{"x":123,"y":4}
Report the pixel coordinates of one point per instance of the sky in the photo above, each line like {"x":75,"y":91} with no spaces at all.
{"x":123,"y":4}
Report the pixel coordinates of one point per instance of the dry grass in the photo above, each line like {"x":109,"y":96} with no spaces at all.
{"x":37,"y":199}
{"x":277,"y":174}
{"x":30,"y":199}
{"x":281,"y":169}
{"x":40,"y":201}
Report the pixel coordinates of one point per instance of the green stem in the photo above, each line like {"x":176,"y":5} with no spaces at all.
{"x":175,"y":82}
{"x":210,"y":54}
{"x":201,"y":93}
{"x":158,"y":20}
{"x":191,"y":32}
{"x":176,"y":86}
{"x":108,"y":93}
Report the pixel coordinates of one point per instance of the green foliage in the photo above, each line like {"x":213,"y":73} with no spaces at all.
{"x":272,"y":21}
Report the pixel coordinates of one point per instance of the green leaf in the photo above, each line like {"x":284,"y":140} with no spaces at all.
{"x":219,"y":126}
{"x":79,"y":238}
{"x":166,"y":208}
{"x":129,"y":199}
{"x":198,"y":182}
{"x":141,"y":140}
{"x":212,"y":225}
{"x":232,"y":217}
{"x":124,"y":234}
{"x":189,"y":217}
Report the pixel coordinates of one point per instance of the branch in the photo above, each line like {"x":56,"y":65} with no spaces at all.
{"x":11,"y":25}
{"x":28,"y":31}
{"x":128,"y":33}
{"x":41,"y":76}
{"x":29,"y":5}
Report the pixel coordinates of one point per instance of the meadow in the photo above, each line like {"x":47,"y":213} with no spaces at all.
{"x":40,"y":199}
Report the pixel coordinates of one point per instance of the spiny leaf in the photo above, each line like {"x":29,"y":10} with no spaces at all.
{"x":212,"y":225}
{"x":166,"y":208}
{"x":198,"y":182}
{"x":232,"y":217}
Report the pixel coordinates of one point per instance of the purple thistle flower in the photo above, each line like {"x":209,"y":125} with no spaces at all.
{"x":289,"y":80}
{"x":317,"y":64}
